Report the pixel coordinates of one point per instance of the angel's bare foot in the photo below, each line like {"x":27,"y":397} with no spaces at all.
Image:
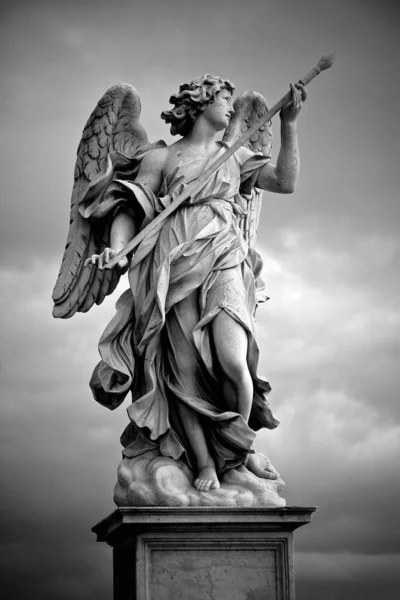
{"x":261,"y":468}
{"x":207,"y":479}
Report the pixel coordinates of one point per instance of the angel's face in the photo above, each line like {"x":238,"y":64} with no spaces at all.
{"x":219,"y":113}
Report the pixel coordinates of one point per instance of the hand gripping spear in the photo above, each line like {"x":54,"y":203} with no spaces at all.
{"x":324,"y":63}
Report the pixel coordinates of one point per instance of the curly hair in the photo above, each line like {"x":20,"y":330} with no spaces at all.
{"x":193,"y":97}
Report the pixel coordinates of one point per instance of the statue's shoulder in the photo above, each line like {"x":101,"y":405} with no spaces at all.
{"x":174,"y":155}
{"x":155,"y":158}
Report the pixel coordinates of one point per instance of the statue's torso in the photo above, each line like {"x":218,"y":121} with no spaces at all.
{"x":188,"y":167}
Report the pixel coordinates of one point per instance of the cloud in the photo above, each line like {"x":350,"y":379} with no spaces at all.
{"x":326,"y":316}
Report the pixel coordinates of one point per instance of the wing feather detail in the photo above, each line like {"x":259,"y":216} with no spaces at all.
{"x":249,"y":108}
{"x":112,"y":126}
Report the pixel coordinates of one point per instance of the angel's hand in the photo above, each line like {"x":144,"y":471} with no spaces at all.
{"x":105,"y":257}
{"x":290,"y":111}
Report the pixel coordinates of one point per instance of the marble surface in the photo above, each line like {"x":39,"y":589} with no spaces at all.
{"x":213,"y":574}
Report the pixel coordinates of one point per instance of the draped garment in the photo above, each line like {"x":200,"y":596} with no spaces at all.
{"x":180,"y":279}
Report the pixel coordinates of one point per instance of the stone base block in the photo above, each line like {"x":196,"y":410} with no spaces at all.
{"x":164,"y":553}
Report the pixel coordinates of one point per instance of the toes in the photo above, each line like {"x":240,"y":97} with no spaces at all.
{"x":207,"y":485}
{"x":204,"y":485}
{"x":269,"y":474}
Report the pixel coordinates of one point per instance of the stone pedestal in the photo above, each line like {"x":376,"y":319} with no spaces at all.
{"x":163,"y":553}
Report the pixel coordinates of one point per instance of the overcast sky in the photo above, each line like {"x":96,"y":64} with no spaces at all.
{"x":329,"y":336}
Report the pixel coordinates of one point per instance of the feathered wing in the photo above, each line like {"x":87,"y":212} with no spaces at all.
{"x":112,"y":126}
{"x":249,"y":108}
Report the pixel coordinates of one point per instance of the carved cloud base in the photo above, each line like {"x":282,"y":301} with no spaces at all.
{"x":163,"y":553}
{"x":153,"y":480}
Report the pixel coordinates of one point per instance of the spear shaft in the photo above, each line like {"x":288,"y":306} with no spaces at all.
{"x":191,"y":190}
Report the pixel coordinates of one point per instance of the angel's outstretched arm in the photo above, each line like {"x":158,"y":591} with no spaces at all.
{"x":282,"y":178}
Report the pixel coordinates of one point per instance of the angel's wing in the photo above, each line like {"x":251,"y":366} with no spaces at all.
{"x":112,"y":126}
{"x":249,"y":108}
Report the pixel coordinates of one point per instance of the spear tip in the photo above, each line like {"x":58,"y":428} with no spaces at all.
{"x":326,"y":61}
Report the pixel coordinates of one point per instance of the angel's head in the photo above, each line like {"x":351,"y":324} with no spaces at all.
{"x":192,"y":99}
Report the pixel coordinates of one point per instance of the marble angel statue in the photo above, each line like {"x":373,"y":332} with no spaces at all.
{"x":182,"y":340}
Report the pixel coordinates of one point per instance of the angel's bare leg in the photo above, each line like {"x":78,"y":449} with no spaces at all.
{"x":187,"y":366}
{"x":207,"y":476}
{"x":230,"y":340}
